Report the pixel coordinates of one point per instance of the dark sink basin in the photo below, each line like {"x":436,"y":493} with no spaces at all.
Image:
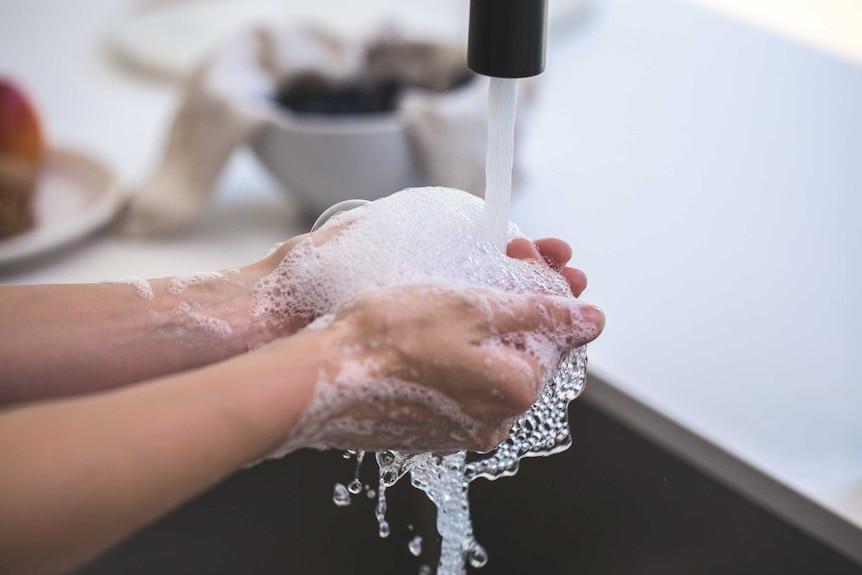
{"x":613,"y":503}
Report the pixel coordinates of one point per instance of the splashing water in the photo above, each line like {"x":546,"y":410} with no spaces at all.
{"x":542,"y":431}
{"x":415,"y":546}
{"x":355,"y":486}
{"x":340,"y":495}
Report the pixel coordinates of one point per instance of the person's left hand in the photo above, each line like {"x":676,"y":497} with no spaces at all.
{"x":553,"y":251}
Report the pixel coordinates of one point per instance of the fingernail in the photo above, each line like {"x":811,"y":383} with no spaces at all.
{"x":594,"y":315}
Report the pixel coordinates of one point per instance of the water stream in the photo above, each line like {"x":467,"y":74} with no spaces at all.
{"x":543,"y":430}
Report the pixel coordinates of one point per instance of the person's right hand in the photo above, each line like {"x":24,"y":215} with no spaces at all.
{"x":553,"y":251}
{"x":433,"y":368}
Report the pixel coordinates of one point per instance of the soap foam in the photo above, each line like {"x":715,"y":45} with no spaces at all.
{"x":212,"y":325}
{"x":142,"y":286}
{"x":186,"y":316}
{"x":179,"y":283}
{"x":416,"y":236}
{"x":424,"y":236}
{"x":405,"y":403}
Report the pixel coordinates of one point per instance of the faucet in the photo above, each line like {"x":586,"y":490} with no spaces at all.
{"x":507,"y":37}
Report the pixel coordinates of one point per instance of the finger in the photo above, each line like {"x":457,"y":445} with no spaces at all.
{"x":523,"y":249}
{"x":576,"y":279}
{"x":567,"y":321}
{"x":517,"y":376}
{"x":504,"y":380}
{"x":555,"y":251}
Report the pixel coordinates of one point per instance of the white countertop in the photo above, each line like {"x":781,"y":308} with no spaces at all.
{"x":707,"y":174}
{"x":711,"y":183}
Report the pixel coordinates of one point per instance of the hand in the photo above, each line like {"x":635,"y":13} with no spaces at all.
{"x":431,"y":368}
{"x":556,"y":253}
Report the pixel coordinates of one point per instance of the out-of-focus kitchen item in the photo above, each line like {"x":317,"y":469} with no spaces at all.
{"x":324,"y":159}
{"x":434,"y":135}
{"x":171,"y":40}
{"x":74,"y":196}
{"x":361,"y":133}
{"x":22,"y":149}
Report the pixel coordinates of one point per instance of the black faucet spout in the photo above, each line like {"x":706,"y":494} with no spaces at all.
{"x":507,"y":37}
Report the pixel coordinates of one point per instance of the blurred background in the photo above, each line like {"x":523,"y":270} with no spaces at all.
{"x":703,"y":158}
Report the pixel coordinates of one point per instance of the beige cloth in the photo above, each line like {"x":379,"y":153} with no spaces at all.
{"x":228,"y":99}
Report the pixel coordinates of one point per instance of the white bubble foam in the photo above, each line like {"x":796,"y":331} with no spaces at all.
{"x":416,"y":236}
{"x":426,"y":236}
{"x":179,"y":283}
{"x":142,"y":286}
{"x":212,"y":325}
{"x":182,"y":308}
{"x":187,"y":316}
{"x":401,"y":414}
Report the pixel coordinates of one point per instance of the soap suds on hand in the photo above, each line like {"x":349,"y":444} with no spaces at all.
{"x":142,"y":286}
{"x":180,"y":283}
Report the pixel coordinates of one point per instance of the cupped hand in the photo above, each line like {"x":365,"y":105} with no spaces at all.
{"x":434,"y":368}
{"x":556,"y":253}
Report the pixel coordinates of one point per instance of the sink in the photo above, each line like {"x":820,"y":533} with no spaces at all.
{"x":614,"y":503}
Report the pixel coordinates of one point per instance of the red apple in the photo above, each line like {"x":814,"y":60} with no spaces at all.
{"x":21,"y":151}
{"x":20,"y":130}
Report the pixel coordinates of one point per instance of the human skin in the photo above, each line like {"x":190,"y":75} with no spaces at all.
{"x":81,"y":473}
{"x":64,"y":340}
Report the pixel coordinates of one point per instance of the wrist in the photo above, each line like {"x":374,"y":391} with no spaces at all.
{"x":206,"y":315}
{"x":266,"y":306}
{"x":222,"y":304}
{"x":272,"y":389}
{"x":200,"y":318}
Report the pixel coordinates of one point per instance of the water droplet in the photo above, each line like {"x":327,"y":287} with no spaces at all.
{"x":415,"y":546}
{"x":385,"y":458}
{"x":543,"y":430}
{"x":384,"y":529}
{"x":340,"y":495}
{"x":476,"y":555}
{"x":355,"y":487}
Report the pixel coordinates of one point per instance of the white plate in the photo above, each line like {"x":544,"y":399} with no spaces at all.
{"x":75,"y":195}
{"x":171,"y":39}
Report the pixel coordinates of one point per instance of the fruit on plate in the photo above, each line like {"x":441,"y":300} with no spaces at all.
{"x":22,"y":148}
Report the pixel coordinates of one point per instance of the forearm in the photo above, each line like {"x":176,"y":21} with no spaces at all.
{"x":80,"y":474}
{"x":61,"y":340}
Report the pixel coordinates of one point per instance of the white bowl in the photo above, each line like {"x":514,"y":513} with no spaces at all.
{"x":323,"y":159}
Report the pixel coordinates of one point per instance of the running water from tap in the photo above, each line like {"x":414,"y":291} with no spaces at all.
{"x":468,"y":247}
{"x":502,"y":104}
{"x":543,"y":430}
{"x":315,"y":279}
